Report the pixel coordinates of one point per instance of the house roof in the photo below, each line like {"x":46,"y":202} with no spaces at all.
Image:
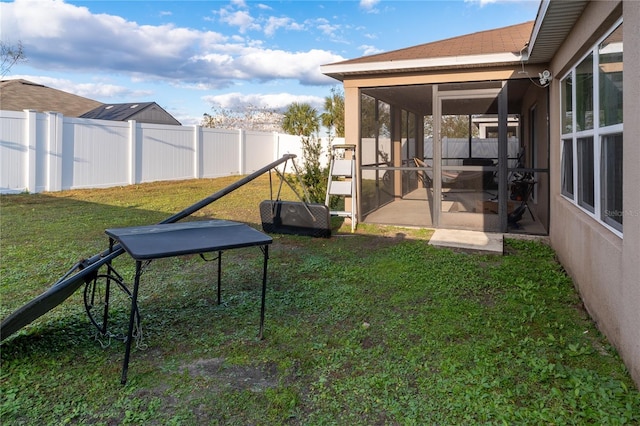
{"x":510,"y":39}
{"x":533,"y":42}
{"x":117,"y":112}
{"x":497,"y":46}
{"x":18,"y":95}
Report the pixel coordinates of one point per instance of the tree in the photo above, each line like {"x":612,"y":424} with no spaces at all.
{"x":333,"y":117}
{"x":457,"y":126}
{"x":10,"y":55}
{"x":250,"y":117}
{"x":452,"y":126}
{"x":302,"y":120}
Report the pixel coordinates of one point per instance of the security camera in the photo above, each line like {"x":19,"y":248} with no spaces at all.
{"x":545,"y":77}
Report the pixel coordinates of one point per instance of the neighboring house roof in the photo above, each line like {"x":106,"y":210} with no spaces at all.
{"x":18,"y":95}
{"x":146,"y":112}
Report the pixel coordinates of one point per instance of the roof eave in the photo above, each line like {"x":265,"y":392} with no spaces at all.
{"x":554,"y":21}
{"x":339,"y":71}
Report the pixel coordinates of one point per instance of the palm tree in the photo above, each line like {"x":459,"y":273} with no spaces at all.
{"x":333,"y":117}
{"x":301,"y":120}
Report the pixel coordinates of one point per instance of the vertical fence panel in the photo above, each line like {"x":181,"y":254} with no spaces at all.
{"x":258,"y":146}
{"x":100,"y":150}
{"x":167,"y":152}
{"x":220,"y":153}
{"x":289,"y":144}
{"x":13,"y":152}
{"x":54,"y":152}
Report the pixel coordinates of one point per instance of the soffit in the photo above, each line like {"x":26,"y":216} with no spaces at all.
{"x":554,"y":22}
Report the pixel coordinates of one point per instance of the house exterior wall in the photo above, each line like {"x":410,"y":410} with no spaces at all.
{"x":154,"y":115}
{"x":604,"y":266}
{"x":630,"y":285}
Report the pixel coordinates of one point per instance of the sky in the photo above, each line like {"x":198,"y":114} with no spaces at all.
{"x":193,"y":57}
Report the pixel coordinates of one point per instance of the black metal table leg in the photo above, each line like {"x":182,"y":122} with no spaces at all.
{"x":265,"y":250}
{"x":134,"y":301}
{"x":219,"y":274}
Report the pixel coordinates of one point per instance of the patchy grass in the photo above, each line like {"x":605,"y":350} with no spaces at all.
{"x":375,"y":327}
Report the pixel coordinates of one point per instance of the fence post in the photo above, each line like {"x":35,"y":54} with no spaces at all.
{"x":133,"y":148}
{"x":55,"y":123}
{"x":241,"y":147}
{"x":197,"y":151}
{"x":30,"y":143}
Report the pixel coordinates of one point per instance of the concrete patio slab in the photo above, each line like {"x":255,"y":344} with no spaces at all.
{"x":485,"y":242}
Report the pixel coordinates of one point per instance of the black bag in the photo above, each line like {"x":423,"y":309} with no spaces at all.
{"x":296,"y":218}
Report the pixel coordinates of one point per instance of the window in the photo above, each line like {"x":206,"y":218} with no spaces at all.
{"x":567,"y":104}
{"x":610,"y":76}
{"x":611,"y":180}
{"x":592,"y":132}
{"x":567,"y":167}
{"x":585,"y":173}
{"x":584,"y":94}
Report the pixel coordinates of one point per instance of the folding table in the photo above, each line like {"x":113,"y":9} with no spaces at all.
{"x":145,"y":243}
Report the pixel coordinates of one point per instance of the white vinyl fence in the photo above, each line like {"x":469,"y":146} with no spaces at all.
{"x":49,"y":152}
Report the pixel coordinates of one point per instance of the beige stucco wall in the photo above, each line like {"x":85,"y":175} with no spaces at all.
{"x":605,"y":267}
{"x":630,"y":287}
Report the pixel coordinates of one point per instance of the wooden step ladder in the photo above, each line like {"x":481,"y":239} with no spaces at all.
{"x":342,"y":180}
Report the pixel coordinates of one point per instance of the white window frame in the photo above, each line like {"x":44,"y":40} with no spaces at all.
{"x":596,"y":133}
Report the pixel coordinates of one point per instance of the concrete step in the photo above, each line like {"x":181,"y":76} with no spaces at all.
{"x":486,"y":242}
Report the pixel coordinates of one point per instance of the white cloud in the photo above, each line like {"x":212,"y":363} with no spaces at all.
{"x":273,"y":24}
{"x":369,"y":50}
{"x":369,"y":5}
{"x":302,"y":66}
{"x":325,"y":26}
{"x":275,"y":101}
{"x":241,"y":19}
{"x":61,"y":36}
{"x":239,"y":3}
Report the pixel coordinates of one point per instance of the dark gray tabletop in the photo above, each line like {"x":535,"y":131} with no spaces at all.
{"x":175,"y":239}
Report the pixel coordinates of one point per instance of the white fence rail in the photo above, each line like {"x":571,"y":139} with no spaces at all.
{"x":49,"y":152}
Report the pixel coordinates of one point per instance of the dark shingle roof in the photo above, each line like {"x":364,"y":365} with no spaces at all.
{"x":18,"y":95}
{"x":149,"y":112}
{"x":116,"y":112}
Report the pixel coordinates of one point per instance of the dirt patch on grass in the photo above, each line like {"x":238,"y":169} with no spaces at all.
{"x":235,"y":377}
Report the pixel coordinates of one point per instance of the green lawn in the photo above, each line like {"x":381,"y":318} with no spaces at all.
{"x":370,"y":328}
